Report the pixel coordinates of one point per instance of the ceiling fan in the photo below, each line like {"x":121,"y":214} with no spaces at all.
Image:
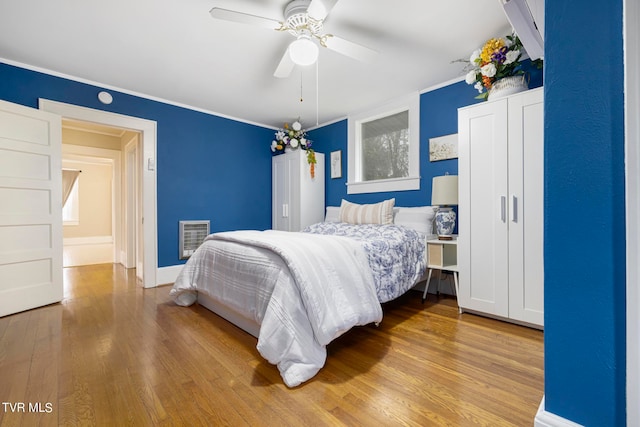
{"x":303,"y":19}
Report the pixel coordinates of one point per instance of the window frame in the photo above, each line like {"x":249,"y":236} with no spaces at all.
{"x":355,"y":184}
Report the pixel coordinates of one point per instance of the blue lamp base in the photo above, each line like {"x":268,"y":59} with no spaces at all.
{"x":445,"y":223}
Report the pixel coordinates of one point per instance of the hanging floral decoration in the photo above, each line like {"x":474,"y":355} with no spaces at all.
{"x":294,"y":137}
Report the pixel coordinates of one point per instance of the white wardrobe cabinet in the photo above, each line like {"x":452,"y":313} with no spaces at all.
{"x":501,"y":182}
{"x":298,"y":199}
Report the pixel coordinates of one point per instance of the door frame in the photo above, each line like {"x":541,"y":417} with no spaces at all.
{"x":631,"y":40}
{"x":132,"y":247}
{"x":148,"y":131}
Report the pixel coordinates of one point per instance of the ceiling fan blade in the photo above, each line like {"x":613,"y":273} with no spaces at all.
{"x":319,"y":9}
{"x":350,"y":49}
{"x":244,"y":18}
{"x":285,"y":67}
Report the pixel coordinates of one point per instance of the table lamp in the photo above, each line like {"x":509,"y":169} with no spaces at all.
{"x":444,"y":194}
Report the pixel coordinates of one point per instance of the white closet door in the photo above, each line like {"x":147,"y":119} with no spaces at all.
{"x":280,"y":175}
{"x":30,"y":208}
{"x":526,"y":207}
{"x":483,"y":234}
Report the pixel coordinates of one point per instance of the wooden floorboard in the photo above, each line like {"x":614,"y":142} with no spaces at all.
{"x":113,"y":353}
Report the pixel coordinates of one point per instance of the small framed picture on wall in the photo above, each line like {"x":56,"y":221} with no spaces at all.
{"x":443,"y":148}
{"x":336,"y":164}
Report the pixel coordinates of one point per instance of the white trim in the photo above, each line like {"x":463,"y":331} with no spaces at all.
{"x":87,"y":250}
{"x":631,"y":39}
{"x":98,"y":155}
{"x":428,"y":89}
{"x":178,"y":104}
{"x":168,"y":275}
{"x":128,"y":92}
{"x":443,"y":84}
{"x":383,"y":185}
{"x":148,"y":130}
{"x":132,"y":211}
{"x":547,"y":419}
{"x":410,"y":103}
{"x":89,"y":240}
{"x":330,"y":122}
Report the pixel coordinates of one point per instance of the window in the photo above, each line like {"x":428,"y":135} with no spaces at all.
{"x":70,"y":210}
{"x":384,"y":148}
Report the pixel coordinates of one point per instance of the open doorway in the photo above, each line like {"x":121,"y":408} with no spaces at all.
{"x":146,"y":176}
{"x":105,"y":226}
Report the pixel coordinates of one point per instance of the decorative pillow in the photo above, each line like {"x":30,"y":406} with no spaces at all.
{"x":378,"y":213}
{"x":419,"y":218}
{"x":333,"y":214}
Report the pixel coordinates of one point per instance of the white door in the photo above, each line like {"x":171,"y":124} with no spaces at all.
{"x":30,"y":208}
{"x":526,"y":207}
{"x":482,"y":226}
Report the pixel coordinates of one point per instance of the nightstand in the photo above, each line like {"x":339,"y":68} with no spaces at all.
{"x":442,"y":255}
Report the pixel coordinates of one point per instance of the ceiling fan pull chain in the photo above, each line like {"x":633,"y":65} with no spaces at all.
{"x":300,"y":85}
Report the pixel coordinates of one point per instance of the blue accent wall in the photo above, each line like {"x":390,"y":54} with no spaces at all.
{"x":438,"y":117}
{"x":208,"y":167}
{"x":584,"y":212}
{"x":435,"y":120}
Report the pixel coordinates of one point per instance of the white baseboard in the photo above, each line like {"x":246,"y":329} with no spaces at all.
{"x":168,"y":275}
{"x":547,"y":419}
{"x":91,"y":240}
{"x":87,"y":251}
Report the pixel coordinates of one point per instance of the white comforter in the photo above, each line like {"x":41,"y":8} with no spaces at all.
{"x":329,"y":290}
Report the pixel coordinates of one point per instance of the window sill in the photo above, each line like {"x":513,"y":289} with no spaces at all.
{"x":383,"y":185}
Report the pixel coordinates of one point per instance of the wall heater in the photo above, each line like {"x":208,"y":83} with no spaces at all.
{"x":192,"y":233}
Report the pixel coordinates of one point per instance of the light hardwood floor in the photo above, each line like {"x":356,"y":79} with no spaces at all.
{"x":113,"y":353}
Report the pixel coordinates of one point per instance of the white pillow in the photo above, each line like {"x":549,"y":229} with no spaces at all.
{"x":333,"y":214}
{"x":419,"y":218}
{"x":377,"y":213}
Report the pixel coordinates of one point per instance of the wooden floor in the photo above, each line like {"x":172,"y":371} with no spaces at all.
{"x":113,"y":353}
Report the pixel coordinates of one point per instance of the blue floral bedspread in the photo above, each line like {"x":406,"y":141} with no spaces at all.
{"x":396,"y":254}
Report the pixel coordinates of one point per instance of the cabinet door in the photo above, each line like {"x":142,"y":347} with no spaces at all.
{"x":483,"y":233}
{"x":526,"y":200}
{"x":280,"y":179}
{"x":298,"y":199}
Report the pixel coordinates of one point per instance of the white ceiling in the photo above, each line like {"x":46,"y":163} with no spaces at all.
{"x":173,"y":50}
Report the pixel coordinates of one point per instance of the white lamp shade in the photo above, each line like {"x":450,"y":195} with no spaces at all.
{"x":303,"y":51}
{"x":444,"y":191}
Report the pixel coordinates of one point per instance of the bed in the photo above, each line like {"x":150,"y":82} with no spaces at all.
{"x":297,"y":291}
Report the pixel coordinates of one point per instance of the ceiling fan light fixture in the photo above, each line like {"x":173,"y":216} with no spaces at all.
{"x":303,"y":51}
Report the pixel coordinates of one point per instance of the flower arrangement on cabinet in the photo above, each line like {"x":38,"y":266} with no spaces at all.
{"x":294,"y":137}
{"x":498,"y":58}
